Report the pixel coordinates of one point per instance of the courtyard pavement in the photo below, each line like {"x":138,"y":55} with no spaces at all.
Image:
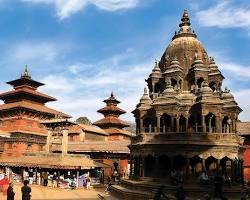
{"x":48,"y":193}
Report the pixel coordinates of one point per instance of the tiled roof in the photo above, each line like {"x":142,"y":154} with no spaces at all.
{"x":118,"y":131}
{"x":100,"y":146}
{"x":55,"y":161}
{"x":32,"y":106}
{"x":111,"y":109}
{"x":29,"y":91}
{"x":86,"y":128}
{"x":243,"y":128}
{"x":93,"y":129}
{"x":111,"y":120}
{"x":25,"y":129}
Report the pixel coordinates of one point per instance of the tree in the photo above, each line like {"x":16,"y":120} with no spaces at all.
{"x":83,"y":120}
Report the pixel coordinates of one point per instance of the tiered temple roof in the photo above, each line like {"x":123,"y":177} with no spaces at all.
{"x":24,"y":107}
{"x":111,"y":115}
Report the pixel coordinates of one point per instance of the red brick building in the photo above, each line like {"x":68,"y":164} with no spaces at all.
{"x":22,"y":128}
{"x":20,"y":117}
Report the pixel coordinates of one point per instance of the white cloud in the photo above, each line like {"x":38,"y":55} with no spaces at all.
{"x":225,"y":15}
{"x":238,"y":71}
{"x":242,"y":97}
{"x":65,"y":8}
{"x":33,"y":51}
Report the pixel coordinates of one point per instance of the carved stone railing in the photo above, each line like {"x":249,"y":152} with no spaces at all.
{"x":187,"y":137}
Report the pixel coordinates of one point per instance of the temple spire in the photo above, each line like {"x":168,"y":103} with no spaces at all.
{"x":185,"y":27}
{"x":25,"y":74}
{"x":185,"y":21}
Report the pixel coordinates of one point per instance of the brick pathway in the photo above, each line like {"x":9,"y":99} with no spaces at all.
{"x":48,"y":193}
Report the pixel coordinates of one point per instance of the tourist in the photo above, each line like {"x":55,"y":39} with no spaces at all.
{"x":10,"y":192}
{"x":45,"y":178}
{"x":204,"y":178}
{"x":88,"y":183}
{"x":26,"y":190}
{"x":108,"y":185}
{"x":160,"y":194}
{"x":54,"y":180}
{"x":180,"y":193}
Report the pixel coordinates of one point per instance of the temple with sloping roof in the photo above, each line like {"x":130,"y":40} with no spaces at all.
{"x":20,"y":115}
{"x":111,"y":123}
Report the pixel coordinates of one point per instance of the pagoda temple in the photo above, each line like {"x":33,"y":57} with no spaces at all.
{"x":111,"y":123}
{"x":20,"y":116}
{"x":186,"y":123}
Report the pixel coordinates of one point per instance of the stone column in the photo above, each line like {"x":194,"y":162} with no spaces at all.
{"x":186,"y":124}
{"x":150,"y":128}
{"x":177,"y":124}
{"x":218,"y":164}
{"x":187,"y":168}
{"x":142,"y":163}
{"x":203,"y":164}
{"x":172,"y":124}
{"x":210,"y":125}
{"x":141,"y":126}
{"x":158,"y":118}
{"x":203,"y":123}
{"x":65,"y":140}
{"x":217,"y":125}
{"x":48,"y":143}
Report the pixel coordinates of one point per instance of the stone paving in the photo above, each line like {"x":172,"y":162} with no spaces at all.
{"x":48,"y":193}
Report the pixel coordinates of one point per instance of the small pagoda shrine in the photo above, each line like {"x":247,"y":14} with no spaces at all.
{"x":20,"y":116}
{"x":111,"y":123}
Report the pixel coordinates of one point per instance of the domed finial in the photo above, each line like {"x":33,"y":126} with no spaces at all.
{"x":145,"y":91}
{"x":25,"y":73}
{"x":185,"y":21}
{"x":112,"y":94}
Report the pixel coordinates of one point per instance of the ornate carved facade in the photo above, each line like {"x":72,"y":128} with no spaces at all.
{"x":186,"y":121}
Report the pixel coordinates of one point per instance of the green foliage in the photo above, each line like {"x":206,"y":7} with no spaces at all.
{"x":83,"y":120}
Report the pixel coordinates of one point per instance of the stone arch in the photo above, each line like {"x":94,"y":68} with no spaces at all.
{"x":182,"y":122}
{"x":226,"y":164}
{"x":179,"y":162}
{"x":157,"y":87}
{"x":213,"y":86}
{"x":211,"y":163}
{"x":164,"y":165}
{"x":199,"y":82}
{"x":194,"y":123}
{"x":147,"y":125}
{"x":210,"y":120}
{"x":149,"y":163}
{"x":174,"y":83}
{"x":166,"y":123}
{"x":226,"y":124}
{"x":196,"y":164}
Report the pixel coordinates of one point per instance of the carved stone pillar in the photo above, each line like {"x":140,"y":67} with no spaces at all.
{"x":177,"y":124}
{"x":186,"y":124}
{"x":203,"y":164}
{"x":217,"y":125}
{"x":172,"y":124}
{"x":141,"y":126}
{"x":158,"y":119}
{"x":203,"y":123}
{"x":65,"y":141}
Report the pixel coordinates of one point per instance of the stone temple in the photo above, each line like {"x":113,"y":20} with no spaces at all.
{"x":185,"y":121}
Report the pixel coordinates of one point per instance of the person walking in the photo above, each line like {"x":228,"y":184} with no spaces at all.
{"x":10,"y":192}
{"x":45,"y":178}
{"x":160,"y":194}
{"x":54,"y":180}
{"x":26,"y":190}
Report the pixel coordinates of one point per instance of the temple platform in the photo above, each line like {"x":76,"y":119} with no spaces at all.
{"x":144,"y":189}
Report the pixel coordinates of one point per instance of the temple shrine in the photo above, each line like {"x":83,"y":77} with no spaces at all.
{"x":185,"y":122}
{"x":20,"y":116}
{"x":111,"y":123}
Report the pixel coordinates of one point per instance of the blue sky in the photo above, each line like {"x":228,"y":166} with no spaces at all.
{"x":84,"y":49}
